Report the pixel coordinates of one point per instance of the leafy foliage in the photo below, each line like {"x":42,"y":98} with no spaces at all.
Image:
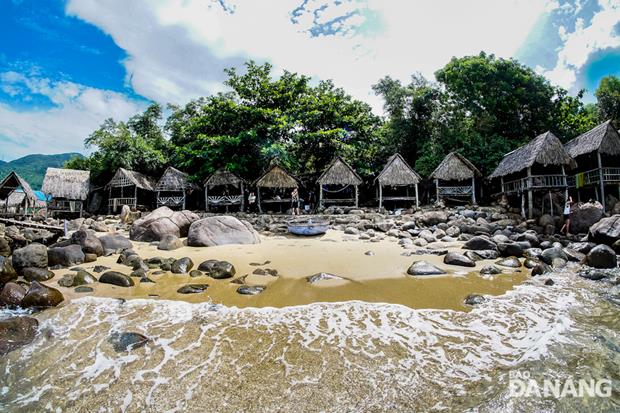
{"x":608,"y":96}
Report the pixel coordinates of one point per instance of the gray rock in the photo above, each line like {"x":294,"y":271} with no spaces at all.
{"x":162,"y":221}
{"x":217,"y":269}
{"x":127,"y":341}
{"x":487,"y":254}
{"x":606,"y":231}
{"x":480,"y":243}
{"x":221,"y":230}
{"x":11,"y":295}
{"x":33,"y":255}
{"x":574,"y":255}
{"x":88,"y":241}
{"x":37,"y":274}
{"x":584,"y":215}
{"x":510,"y":249}
{"x":116,"y":278}
{"x":5,"y":247}
{"x":424,"y":268}
{"x":115,"y":242}
{"x":65,"y":256}
{"x":83,"y":289}
{"x":474,"y":299}
{"x":40,"y":295}
{"x":510,"y":262}
{"x":193,"y":288}
{"x":540,"y":268}
{"x":454,"y":258}
{"x":182,"y":265}
{"x":549,"y":254}
{"x":250,"y":289}
{"x":433,"y":218}
{"x":322,"y":276}
{"x":490,"y":270}
{"x":81,"y":277}
{"x":602,"y":256}
{"x":7,"y":272}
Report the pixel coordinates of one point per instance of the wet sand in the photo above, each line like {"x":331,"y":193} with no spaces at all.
{"x":380,"y":277}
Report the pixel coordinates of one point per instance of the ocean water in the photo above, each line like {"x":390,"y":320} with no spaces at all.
{"x":337,"y":357}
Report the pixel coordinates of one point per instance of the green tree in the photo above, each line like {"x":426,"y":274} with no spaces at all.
{"x":608,"y":99}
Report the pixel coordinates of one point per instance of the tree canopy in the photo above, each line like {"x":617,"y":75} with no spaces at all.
{"x":481,"y":106}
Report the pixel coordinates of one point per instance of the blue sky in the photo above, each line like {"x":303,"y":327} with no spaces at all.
{"x":66,"y":65}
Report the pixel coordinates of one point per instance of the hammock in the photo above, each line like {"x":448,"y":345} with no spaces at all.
{"x":337,"y":190}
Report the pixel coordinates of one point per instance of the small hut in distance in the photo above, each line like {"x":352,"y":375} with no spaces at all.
{"x":225,"y":179}
{"x":597,"y":153}
{"x":10,"y":188}
{"x":339,"y":173}
{"x":66,"y":190}
{"x":278,"y":180}
{"x":130,"y":188}
{"x":536,"y":166}
{"x":173,"y":188}
{"x":397,"y":173}
{"x":455,"y":177}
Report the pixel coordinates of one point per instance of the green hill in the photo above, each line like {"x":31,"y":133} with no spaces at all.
{"x":32,"y":167}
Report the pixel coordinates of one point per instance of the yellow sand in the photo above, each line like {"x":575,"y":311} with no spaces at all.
{"x":375,"y":278}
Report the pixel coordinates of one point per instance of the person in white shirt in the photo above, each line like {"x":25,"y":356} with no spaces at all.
{"x":567,"y":215}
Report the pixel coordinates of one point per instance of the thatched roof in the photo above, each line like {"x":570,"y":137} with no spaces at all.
{"x":13,"y":182}
{"x":222,"y":177}
{"x":455,"y":167}
{"x":276,"y":177}
{"x":125,"y":177}
{"x":174,"y":180}
{"x":66,"y":183}
{"x":545,"y":149}
{"x":397,"y":172}
{"x":339,"y":172}
{"x":603,"y":138}
{"x":17,"y":199}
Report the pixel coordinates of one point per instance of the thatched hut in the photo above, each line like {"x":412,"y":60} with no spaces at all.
{"x":280,"y":181}
{"x":597,"y":153}
{"x":173,"y":188}
{"x":10,"y":189}
{"x":537,"y":166}
{"x":340,"y":174}
{"x":227,"y":183}
{"x":455,"y":177}
{"x":397,"y":174}
{"x":66,"y":190}
{"x":130,"y":188}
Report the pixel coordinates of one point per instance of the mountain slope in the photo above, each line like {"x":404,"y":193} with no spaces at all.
{"x":32,"y":167}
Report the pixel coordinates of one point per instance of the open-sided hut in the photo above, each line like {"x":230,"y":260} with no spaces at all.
{"x":279,"y":180}
{"x":455,"y":177}
{"x":66,"y":190}
{"x":398,"y":174}
{"x":339,"y":174}
{"x":229,"y":188}
{"x":597,"y":153}
{"x":130,"y":188}
{"x":537,"y":166}
{"x":173,"y":188}
{"x":10,"y":189}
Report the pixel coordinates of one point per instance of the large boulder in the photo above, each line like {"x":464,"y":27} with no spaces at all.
{"x":480,"y":243}
{"x":606,"y":231}
{"x":602,"y":256}
{"x":221,"y":230}
{"x":162,"y":221}
{"x":170,"y":242}
{"x":33,"y":255}
{"x":12,"y":295}
{"x":433,"y":218}
{"x":40,"y":295}
{"x":583,"y":216}
{"x":88,"y":241}
{"x":217,"y":269}
{"x":37,"y":274}
{"x":115,"y":242}
{"x":424,"y":268}
{"x":5,"y":247}
{"x":116,"y":278}
{"x":65,"y":256}
{"x":455,"y":258}
{"x":7,"y":272}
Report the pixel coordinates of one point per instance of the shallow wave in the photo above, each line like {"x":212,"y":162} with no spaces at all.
{"x":347,"y":356}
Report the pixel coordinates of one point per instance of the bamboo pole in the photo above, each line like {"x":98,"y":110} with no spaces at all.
{"x":380,"y":195}
{"x":530,"y":195}
{"x":356,"y":196}
{"x":473,"y":190}
{"x":601,"y":178}
{"x":417,"y":198}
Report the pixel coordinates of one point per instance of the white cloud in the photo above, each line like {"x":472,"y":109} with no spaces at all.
{"x":177,"y":49}
{"x":585,"y":40}
{"x":77,"y":111}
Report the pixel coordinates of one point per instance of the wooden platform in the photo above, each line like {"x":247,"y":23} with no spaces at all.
{"x":29,"y":224}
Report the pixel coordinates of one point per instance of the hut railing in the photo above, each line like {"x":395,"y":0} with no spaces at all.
{"x":446,"y":191}
{"x":593,"y":176}
{"x":536,"y":182}
{"x":225,"y":200}
{"x":170,"y":201}
{"x":116,"y":202}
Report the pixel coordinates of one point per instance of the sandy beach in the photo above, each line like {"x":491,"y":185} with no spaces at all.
{"x":370,"y":271}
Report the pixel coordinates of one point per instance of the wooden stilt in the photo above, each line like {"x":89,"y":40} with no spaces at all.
{"x":417,"y":198}
{"x":206,"y":198}
{"x":473,"y":190}
{"x":320,"y":196}
{"x":530,"y":195}
{"x":260,"y":208}
{"x":242,"y":196}
{"x":356,"y":196}
{"x":437,"y":188}
{"x":380,"y":195}
{"x":550,"y":203}
{"x":601,"y":178}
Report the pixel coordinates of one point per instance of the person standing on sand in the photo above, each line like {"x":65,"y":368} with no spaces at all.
{"x":567,"y":215}
{"x":295,"y":201}
{"x":251,"y":202}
